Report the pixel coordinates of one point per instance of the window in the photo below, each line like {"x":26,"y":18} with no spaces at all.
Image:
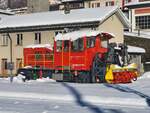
{"x":110,"y":3}
{"x":104,"y":42}
{"x":90,"y":42}
{"x":19,"y":39}
{"x":92,"y":5}
{"x":66,"y":45}
{"x":4,"y":40}
{"x":38,"y":56}
{"x":37,"y":38}
{"x":98,"y":4}
{"x":142,"y":22}
{"x":4,"y":66}
{"x":48,"y":56}
{"x":59,"y":46}
{"x":127,"y":1}
{"x":77,"y":45}
{"x":19,"y":63}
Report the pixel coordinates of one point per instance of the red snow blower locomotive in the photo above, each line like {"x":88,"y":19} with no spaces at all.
{"x":82,"y":56}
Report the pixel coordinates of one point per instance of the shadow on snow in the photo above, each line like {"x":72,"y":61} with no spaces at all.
{"x":82,"y":103}
{"x":129,"y":90}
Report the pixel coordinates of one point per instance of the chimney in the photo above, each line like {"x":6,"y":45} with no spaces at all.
{"x":66,"y":8}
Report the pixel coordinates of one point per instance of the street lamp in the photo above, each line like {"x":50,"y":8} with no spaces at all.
{"x":10,"y":64}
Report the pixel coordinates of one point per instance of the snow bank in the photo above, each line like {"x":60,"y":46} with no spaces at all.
{"x":48,"y":46}
{"x":146,"y":75}
{"x":45,"y":80}
{"x":19,"y":79}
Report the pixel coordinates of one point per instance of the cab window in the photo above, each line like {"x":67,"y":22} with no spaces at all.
{"x":59,"y":46}
{"x":66,"y":45}
{"x":77,"y":45}
{"x":90,"y":42}
{"x":104,"y":42}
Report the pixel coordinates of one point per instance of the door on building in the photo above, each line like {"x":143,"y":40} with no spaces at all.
{"x":18,"y":63}
{"x":4,"y":67}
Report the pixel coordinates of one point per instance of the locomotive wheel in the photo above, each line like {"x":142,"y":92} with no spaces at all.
{"x":98,"y":68}
{"x":83,"y":77}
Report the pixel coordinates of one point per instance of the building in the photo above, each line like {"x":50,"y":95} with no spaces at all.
{"x":41,"y":28}
{"x":37,"y":6}
{"x":3,"y":4}
{"x":139,"y":33}
{"x":77,"y":4}
{"x":12,"y":4}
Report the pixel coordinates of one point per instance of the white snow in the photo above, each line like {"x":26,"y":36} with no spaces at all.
{"x":48,"y":46}
{"x":133,"y":49}
{"x":135,"y":94}
{"x":45,"y":80}
{"x":142,"y":34}
{"x":18,"y":79}
{"x":79,"y":34}
{"x":146,"y":75}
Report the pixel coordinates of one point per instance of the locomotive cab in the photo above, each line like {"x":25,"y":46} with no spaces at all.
{"x":74,"y":53}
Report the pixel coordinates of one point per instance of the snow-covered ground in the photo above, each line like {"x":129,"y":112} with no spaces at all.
{"x":48,"y":96}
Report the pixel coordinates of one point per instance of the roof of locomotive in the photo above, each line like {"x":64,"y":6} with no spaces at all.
{"x":48,"y":46}
{"x":82,"y":33}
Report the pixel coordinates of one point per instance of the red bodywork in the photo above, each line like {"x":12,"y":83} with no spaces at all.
{"x":124,"y":77}
{"x":42,"y":57}
{"x":80,"y":60}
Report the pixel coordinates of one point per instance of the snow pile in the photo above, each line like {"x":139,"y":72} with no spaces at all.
{"x":33,"y":46}
{"x":45,"y":80}
{"x":19,"y":79}
{"x":146,"y":75}
{"x":79,"y":34}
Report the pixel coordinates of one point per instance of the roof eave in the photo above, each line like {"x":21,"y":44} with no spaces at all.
{"x":123,"y":19}
{"x":48,"y":27}
{"x":132,"y":6}
{"x":120,"y":15}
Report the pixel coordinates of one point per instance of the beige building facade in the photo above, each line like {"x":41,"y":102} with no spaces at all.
{"x":21,"y":37}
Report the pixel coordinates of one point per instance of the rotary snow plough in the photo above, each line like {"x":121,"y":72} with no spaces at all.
{"x":119,"y":70}
{"x":83,"y":56}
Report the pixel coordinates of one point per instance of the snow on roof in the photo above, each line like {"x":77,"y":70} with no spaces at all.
{"x":78,"y":34}
{"x":134,"y":3}
{"x":48,"y":46}
{"x":135,"y":34}
{"x":6,"y":12}
{"x":133,"y":49}
{"x":58,"y":17}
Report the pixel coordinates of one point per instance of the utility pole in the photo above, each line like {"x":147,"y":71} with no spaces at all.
{"x":11,"y":63}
